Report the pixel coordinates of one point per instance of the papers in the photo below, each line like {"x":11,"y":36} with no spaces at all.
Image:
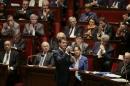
{"x":15,"y":4}
{"x":112,"y":75}
{"x":120,"y":80}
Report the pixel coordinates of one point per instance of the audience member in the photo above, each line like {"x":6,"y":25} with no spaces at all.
{"x":24,"y":12}
{"x":105,"y":27}
{"x":83,"y":46}
{"x":124,"y":67}
{"x":120,"y":4}
{"x":103,"y":51}
{"x":10,"y":57}
{"x":90,"y":29}
{"x":44,"y":58}
{"x":72,"y":29}
{"x":2,"y":11}
{"x":10,"y":27}
{"x":87,"y":15}
{"x":33,"y":28}
{"x":18,"y":42}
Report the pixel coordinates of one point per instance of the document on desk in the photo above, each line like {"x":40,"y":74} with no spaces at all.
{"x":120,"y":80}
{"x":112,"y":75}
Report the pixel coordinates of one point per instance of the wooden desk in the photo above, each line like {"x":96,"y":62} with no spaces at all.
{"x":40,"y":76}
{"x":3,"y":74}
{"x":95,"y":80}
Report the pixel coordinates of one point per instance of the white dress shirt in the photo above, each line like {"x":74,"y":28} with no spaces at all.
{"x":72,"y":31}
{"x":6,"y":58}
{"x":42,"y":60}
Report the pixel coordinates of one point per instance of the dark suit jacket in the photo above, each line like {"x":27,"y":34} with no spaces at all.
{"x":48,"y":59}
{"x":62,"y":63}
{"x":123,"y":74}
{"x":108,"y":53}
{"x":23,"y":16}
{"x":14,"y":57}
{"x":50,"y":16}
{"x":78,"y":31}
{"x":83,"y":63}
{"x":39,"y":29}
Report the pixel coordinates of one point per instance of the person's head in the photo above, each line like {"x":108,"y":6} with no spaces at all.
{"x":91,"y":22}
{"x":33,"y":18}
{"x":127,"y":57}
{"x":63,"y":44}
{"x":7,"y":45}
{"x":45,"y":4}
{"x":60,"y":35}
{"x":45,"y":46}
{"x":102,"y":21}
{"x":128,"y":7}
{"x":72,"y":21}
{"x":78,"y":40}
{"x":77,"y":51}
{"x":25,"y":4}
{"x":10,"y":18}
{"x":87,"y":8}
{"x":105,"y":39}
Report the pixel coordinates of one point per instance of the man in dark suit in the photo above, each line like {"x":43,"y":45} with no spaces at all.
{"x":103,"y":51}
{"x":34,"y":28}
{"x":10,"y":57}
{"x":72,"y":30}
{"x":124,"y":67}
{"x":24,"y":12}
{"x":44,"y":58}
{"x":62,"y":62}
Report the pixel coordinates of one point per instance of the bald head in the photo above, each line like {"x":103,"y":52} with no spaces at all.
{"x":60,"y":35}
{"x":127,"y":57}
{"x":7,"y":45}
{"x":45,"y":47}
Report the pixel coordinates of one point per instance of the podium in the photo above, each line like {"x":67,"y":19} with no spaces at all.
{"x":3,"y":74}
{"x":40,"y":76}
{"x":90,"y":79}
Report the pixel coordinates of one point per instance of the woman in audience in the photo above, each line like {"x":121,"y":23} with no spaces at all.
{"x":89,"y":29}
{"x":10,"y":27}
{"x":80,"y":64}
{"x":33,"y":28}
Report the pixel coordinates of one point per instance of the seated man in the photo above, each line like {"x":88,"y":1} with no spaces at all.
{"x":10,"y":27}
{"x":44,"y":58}
{"x":103,"y":51}
{"x":10,"y":57}
{"x":24,"y":12}
{"x":72,"y":29}
{"x":124,"y":69}
{"x":33,"y":28}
